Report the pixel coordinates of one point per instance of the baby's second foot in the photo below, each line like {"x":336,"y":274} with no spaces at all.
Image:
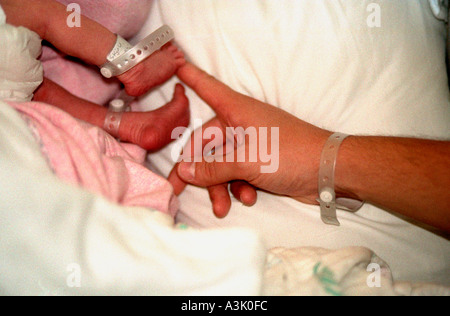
{"x":153,"y":130}
{"x":155,"y":70}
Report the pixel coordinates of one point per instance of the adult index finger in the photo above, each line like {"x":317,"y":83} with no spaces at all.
{"x":221,"y":98}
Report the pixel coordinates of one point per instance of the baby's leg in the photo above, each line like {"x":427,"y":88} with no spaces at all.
{"x":155,"y":70}
{"x":153,"y":130}
{"x":52,"y":93}
{"x":150,"y":130}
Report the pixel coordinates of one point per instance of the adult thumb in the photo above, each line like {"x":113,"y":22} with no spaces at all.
{"x":206,"y":174}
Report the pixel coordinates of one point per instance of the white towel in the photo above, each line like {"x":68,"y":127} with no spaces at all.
{"x":20,"y":71}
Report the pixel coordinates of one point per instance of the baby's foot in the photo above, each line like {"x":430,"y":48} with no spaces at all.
{"x":153,"y":130}
{"x":155,"y":70}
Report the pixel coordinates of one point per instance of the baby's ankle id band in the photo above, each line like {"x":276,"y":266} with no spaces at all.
{"x":327,"y":194}
{"x":120,"y":48}
{"x":123,"y":56}
{"x":114,"y":117}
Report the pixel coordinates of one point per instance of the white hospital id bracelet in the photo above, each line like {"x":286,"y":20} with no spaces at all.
{"x":327,"y":195}
{"x":120,"y":48}
{"x":114,"y":117}
{"x":138,"y":53}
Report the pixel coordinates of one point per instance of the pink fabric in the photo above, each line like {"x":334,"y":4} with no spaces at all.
{"x":87,"y":156}
{"x":123,"y":17}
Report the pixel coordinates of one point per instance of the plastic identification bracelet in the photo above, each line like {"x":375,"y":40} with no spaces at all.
{"x":114,"y":117}
{"x":115,"y":112}
{"x":122,"y":58}
{"x":327,"y":195}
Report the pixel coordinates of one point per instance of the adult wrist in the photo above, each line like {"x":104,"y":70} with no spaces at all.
{"x":346,"y":184}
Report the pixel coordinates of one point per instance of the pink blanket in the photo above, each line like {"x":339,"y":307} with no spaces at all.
{"x":87,"y":156}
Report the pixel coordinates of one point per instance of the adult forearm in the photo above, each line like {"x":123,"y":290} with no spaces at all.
{"x":90,"y":42}
{"x":407,"y":176}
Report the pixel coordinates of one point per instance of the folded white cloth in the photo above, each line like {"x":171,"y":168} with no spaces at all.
{"x":341,"y":272}
{"x":2,"y":16}
{"x":20,"y":71}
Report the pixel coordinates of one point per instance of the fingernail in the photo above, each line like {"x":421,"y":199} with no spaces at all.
{"x":186,"y":170}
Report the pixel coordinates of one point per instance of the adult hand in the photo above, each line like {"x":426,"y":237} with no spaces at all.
{"x":297,"y":146}
{"x":414,"y":180}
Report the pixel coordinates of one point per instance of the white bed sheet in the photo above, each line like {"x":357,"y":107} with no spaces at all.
{"x":322,"y":62}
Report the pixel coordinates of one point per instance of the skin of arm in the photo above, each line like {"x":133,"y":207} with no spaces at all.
{"x":52,"y":93}
{"x":48,"y":19}
{"x":404,"y":175}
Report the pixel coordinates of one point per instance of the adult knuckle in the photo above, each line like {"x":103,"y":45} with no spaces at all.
{"x":210,"y":171}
